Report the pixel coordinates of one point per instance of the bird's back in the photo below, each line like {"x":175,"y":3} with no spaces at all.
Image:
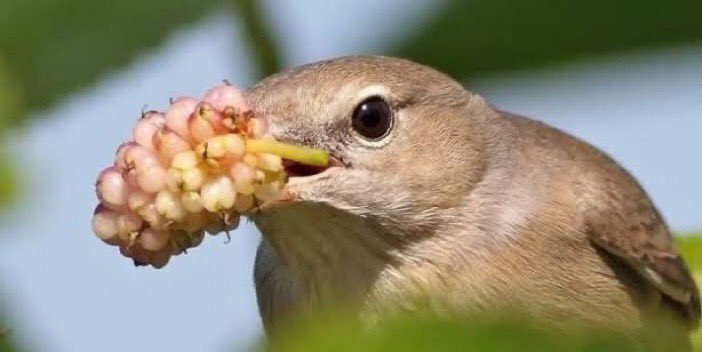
{"x":613,"y":214}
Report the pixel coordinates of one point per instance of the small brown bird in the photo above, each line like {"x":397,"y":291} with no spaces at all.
{"x":436,"y":198}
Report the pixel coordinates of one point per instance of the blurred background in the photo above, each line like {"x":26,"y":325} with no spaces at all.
{"x":74,"y":75}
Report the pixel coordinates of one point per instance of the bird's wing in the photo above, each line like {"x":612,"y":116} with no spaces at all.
{"x":620,"y":219}
{"x":642,"y":241}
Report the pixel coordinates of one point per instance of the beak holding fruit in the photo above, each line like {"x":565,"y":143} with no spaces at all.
{"x":303,"y":167}
{"x":195,"y":168}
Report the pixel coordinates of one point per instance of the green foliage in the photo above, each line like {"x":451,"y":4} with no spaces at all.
{"x":261,"y":43}
{"x":690,"y":246}
{"x":54,"y":47}
{"x":8,"y":180}
{"x":11,"y":111}
{"x":6,"y":343}
{"x":11,"y":107}
{"x":479,"y":36}
{"x":426,"y":334}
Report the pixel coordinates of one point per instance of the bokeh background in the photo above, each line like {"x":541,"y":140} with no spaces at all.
{"x":625,"y":75}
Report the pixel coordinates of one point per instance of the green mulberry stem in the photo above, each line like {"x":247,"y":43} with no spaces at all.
{"x":303,"y":155}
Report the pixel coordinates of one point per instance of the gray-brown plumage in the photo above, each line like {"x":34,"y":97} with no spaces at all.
{"x":459,"y":208}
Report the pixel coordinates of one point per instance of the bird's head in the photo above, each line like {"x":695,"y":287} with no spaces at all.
{"x":406,"y":142}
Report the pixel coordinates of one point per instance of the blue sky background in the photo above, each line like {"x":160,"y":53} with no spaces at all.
{"x":66,"y":291}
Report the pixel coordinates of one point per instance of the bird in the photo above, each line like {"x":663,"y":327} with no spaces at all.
{"x":435,"y":199}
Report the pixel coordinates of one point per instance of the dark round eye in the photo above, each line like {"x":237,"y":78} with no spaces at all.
{"x":372,"y":118}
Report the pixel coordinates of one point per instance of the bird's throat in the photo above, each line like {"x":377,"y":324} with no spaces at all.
{"x":331,"y":254}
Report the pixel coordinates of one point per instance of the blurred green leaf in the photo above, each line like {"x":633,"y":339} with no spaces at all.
{"x":480,"y":36}
{"x":11,"y":109}
{"x":8,"y":181}
{"x":690,"y":245}
{"x":54,"y":47}
{"x":6,"y":343}
{"x":260,"y":40}
{"x":507,"y":333}
{"x":10,"y":100}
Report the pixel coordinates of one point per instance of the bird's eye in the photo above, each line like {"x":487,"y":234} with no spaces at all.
{"x":372,"y":118}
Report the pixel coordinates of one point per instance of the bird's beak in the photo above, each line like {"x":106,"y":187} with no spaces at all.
{"x":302,"y":181}
{"x":302,"y":176}
{"x":297,"y":170}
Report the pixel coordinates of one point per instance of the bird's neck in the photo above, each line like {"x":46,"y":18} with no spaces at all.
{"x":330,"y":254}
